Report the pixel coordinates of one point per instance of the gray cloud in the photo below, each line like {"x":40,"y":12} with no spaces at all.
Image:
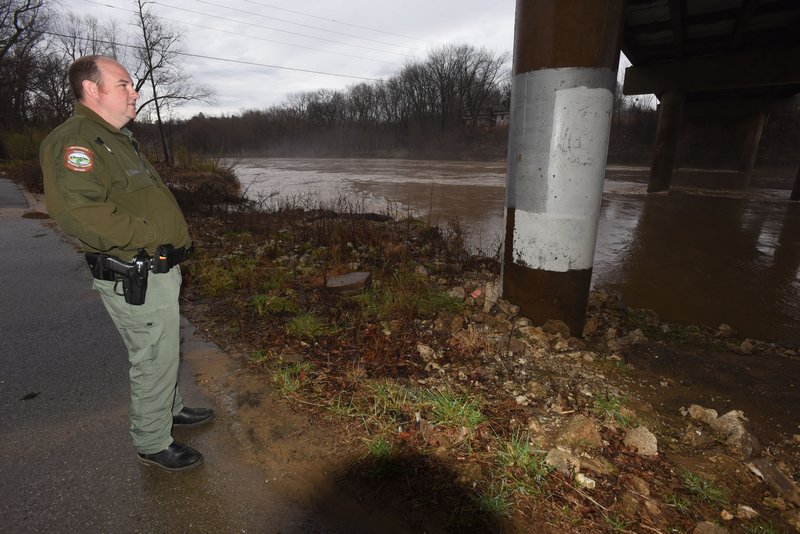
{"x":240,"y":30}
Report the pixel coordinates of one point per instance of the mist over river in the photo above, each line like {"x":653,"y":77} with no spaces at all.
{"x":693,"y":257}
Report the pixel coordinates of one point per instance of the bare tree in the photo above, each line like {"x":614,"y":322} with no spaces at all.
{"x":77,"y":36}
{"x":362,"y":105}
{"x":169,"y":85}
{"x":53,"y":100}
{"x":485,"y":82}
{"x":70,"y":36}
{"x":19,"y":19}
{"x":21,"y":25}
{"x":297,"y":103}
{"x":326,"y":107}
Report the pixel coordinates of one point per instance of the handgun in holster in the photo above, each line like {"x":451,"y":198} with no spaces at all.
{"x":133,"y":275}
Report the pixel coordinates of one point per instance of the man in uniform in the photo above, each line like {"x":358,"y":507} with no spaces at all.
{"x":100,"y":188}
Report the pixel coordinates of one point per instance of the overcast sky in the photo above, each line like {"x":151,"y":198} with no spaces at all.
{"x":258,"y":42}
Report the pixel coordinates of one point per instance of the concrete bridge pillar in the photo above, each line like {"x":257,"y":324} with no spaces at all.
{"x":565,"y":62}
{"x":796,"y":189}
{"x":670,"y":115}
{"x":752,"y":142}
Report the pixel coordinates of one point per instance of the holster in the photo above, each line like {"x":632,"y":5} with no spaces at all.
{"x":133,"y":275}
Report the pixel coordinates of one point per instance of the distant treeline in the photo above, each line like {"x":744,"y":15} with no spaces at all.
{"x":438,"y":107}
{"x":455,"y":105}
{"x":388,"y":119}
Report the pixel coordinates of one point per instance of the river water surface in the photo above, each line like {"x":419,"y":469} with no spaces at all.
{"x":694,"y":257}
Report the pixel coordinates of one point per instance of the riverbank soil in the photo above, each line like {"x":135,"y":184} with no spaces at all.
{"x":430,"y":399}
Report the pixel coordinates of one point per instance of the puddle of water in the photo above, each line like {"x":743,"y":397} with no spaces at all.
{"x":694,"y":258}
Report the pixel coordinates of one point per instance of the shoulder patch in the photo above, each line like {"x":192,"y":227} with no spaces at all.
{"x":78,"y":159}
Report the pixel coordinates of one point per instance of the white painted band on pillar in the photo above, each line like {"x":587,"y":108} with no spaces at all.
{"x":558,"y":142}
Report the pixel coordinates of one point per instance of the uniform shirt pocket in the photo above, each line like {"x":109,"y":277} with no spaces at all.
{"x":131,"y":175}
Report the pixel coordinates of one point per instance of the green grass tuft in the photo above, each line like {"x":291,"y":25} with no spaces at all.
{"x":450,"y":408}
{"x":216,"y":281}
{"x":616,"y":523}
{"x":308,"y":325}
{"x":496,"y":500}
{"x":704,"y":489}
{"x":259,"y":356}
{"x":264,"y":304}
{"x":610,"y":406}
{"x":522,"y":463}
{"x":288,"y":379}
{"x":680,"y":504}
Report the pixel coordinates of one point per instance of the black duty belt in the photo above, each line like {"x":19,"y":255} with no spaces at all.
{"x":166,"y":258}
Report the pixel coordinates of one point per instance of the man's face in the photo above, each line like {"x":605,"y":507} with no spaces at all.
{"x":115,"y":97}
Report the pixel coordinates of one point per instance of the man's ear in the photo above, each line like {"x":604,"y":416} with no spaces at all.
{"x":90,"y":89}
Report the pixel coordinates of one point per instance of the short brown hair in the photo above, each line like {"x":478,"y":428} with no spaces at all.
{"x":84,"y":68}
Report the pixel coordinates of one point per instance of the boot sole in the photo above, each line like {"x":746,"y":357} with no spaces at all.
{"x":146,"y":462}
{"x":198,"y":423}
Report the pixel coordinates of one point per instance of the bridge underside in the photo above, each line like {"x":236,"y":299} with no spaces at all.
{"x":719,"y":70}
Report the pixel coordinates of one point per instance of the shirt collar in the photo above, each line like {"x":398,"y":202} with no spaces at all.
{"x":81,"y":109}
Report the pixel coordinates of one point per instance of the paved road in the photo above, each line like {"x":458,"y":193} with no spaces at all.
{"x":66,"y":460}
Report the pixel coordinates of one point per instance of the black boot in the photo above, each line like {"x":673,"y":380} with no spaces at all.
{"x":176,"y":457}
{"x":193,"y":417}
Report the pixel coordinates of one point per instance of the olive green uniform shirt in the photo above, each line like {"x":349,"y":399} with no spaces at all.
{"x":100,"y":188}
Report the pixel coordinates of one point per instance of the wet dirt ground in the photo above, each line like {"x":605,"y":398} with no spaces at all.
{"x":765,"y":387}
{"x":288,"y":451}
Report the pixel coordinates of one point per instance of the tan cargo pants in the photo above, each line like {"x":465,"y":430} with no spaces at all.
{"x":151,"y":332}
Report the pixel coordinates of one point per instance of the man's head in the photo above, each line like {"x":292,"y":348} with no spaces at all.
{"x":105,"y":87}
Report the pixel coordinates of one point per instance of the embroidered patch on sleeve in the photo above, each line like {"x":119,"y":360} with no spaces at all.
{"x":78,"y":159}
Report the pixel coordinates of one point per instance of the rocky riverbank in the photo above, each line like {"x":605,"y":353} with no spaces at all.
{"x":443,"y":393}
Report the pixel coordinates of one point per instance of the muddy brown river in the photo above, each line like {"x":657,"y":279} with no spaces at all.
{"x":695,"y":257}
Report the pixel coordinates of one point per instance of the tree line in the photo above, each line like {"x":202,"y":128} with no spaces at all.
{"x":426,"y":108}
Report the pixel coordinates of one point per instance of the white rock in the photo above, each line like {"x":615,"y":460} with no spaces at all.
{"x":458,"y":293}
{"x":426,"y":352}
{"x":584,"y":481}
{"x":641,"y":440}
{"x":724,"y":331}
{"x":745,"y":512}
{"x":563,"y":461}
{"x":704,"y":415}
{"x":492,"y":295}
{"x":739,"y":439}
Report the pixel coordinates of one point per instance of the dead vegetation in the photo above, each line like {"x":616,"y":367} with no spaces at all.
{"x":481,"y":420}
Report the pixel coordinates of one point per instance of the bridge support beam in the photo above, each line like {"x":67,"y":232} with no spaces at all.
{"x":670,"y":117}
{"x":565,"y":60}
{"x":756,"y":128}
